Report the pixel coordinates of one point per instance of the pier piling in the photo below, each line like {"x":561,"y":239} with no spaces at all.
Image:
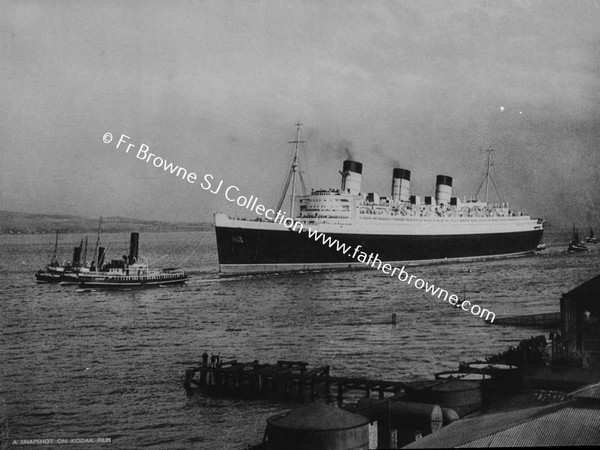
{"x":288,"y":381}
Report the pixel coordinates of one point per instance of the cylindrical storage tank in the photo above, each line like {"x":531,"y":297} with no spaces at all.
{"x":463,"y":396}
{"x":401,"y":185}
{"x":443,"y":189}
{"x":453,"y":374}
{"x":506,"y":378}
{"x":487,"y":382}
{"x":351,"y":177}
{"x":316,"y":427}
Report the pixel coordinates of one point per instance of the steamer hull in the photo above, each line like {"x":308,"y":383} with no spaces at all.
{"x":256,"y":249}
{"x":130,"y":282}
{"x":48,"y":276}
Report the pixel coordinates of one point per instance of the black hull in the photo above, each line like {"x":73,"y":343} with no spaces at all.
{"x":48,"y":277}
{"x":131,"y":284}
{"x":55,"y":277}
{"x":247,"y":250}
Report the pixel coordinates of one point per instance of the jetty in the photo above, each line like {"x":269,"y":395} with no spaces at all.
{"x":542,"y":320}
{"x":290,"y":381}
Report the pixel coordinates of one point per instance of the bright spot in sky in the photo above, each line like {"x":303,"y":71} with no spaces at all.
{"x":520,"y":112}
{"x":502,"y":108}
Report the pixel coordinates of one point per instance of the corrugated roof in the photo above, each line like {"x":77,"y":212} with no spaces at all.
{"x":317,"y":416}
{"x":466,"y":430}
{"x":567,"y":427}
{"x":592,"y":392}
{"x":562,"y":424}
{"x":570,"y":423}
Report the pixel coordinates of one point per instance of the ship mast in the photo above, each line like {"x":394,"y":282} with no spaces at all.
{"x":53,"y":260}
{"x":97,"y":242}
{"x":488,"y":174}
{"x":488,"y":177}
{"x":295,"y":167}
{"x":85,"y":252}
{"x":292,"y":174}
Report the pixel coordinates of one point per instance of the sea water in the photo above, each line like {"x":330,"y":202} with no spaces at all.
{"x":110,"y":365}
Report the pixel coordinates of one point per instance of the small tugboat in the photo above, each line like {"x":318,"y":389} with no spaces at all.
{"x":576,"y":244}
{"x":60,"y":273}
{"x":591,"y":239}
{"x":51,"y":274}
{"x":128,"y":272}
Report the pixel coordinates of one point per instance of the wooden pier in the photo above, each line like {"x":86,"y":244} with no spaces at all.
{"x":287,"y":380}
{"x":402,"y":410}
{"x":543,"y":320}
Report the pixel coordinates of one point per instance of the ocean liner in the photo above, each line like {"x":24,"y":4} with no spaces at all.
{"x":402,"y":229}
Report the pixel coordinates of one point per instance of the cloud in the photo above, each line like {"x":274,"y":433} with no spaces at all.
{"x":218,"y":87}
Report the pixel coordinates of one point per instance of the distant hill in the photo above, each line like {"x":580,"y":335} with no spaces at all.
{"x":29,"y":223}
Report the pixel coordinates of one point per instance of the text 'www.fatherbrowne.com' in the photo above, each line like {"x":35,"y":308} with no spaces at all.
{"x":374,"y":262}
{"x":251,"y":203}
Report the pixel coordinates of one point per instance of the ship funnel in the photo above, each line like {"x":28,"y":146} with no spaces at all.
{"x":76,"y":256}
{"x":443,"y":189}
{"x":351,"y":177}
{"x":133,"y":248}
{"x":401,"y":185}
{"x":101,"y":251}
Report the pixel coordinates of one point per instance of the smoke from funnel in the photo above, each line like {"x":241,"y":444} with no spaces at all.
{"x":340,"y":150}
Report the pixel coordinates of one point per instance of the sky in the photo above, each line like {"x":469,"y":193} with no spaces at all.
{"x":217,"y":86}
